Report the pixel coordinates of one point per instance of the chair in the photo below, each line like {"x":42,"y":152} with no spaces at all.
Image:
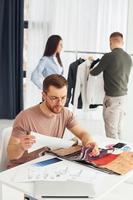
{"x":4,"y":139}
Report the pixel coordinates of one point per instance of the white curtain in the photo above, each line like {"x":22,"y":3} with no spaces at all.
{"x":112,"y":16}
{"x":84,"y":25}
{"x":41,"y":20}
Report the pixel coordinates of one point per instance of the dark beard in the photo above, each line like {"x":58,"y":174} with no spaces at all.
{"x":52,"y":110}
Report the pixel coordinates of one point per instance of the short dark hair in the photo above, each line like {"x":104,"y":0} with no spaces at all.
{"x":55,"y":80}
{"x":116,"y":34}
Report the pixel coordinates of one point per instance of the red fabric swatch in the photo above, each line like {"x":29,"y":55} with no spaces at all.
{"x":105,"y":160}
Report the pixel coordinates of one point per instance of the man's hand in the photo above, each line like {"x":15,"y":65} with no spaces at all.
{"x":27,"y":141}
{"x":94,"y":147}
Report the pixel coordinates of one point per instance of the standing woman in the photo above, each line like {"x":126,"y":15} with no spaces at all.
{"x":50,"y":63}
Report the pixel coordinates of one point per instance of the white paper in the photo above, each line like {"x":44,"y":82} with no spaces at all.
{"x":48,"y":141}
{"x":56,"y":172}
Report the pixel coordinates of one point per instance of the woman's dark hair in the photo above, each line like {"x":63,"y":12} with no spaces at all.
{"x":51,"y":47}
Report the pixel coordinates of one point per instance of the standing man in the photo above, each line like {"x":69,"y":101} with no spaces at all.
{"x":116,"y":67}
{"x":48,"y":118}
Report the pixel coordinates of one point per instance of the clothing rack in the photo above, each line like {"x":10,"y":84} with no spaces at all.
{"x":88,"y":52}
{"x":77,"y":52}
{"x":74,"y":51}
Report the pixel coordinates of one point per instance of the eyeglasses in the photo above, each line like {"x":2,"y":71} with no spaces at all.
{"x":57,"y":99}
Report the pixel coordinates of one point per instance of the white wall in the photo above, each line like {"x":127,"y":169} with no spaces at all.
{"x":129,"y":45}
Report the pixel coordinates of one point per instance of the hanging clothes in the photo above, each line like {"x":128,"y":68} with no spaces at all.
{"x":95,"y":87}
{"x":91,"y":88}
{"x":72,"y":73}
{"x":81,"y":84}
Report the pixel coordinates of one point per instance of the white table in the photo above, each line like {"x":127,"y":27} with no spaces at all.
{"x":99,"y":185}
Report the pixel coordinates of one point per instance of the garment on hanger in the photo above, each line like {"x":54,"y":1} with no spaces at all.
{"x":81,"y":84}
{"x":96,"y":103}
{"x":94,"y":63}
{"x":91,"y":88}
{"x":72,"y":73}
{"x":95,"y":87}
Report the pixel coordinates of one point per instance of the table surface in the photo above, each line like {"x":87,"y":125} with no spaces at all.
{"x":94,"y":183}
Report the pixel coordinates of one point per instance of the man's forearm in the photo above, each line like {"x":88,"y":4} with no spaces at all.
{"x":15,"y":151}
{"x":82,"y":134}
{"x":86,"y":138}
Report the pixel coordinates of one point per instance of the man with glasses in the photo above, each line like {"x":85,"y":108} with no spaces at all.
{"x":49,"y":118}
